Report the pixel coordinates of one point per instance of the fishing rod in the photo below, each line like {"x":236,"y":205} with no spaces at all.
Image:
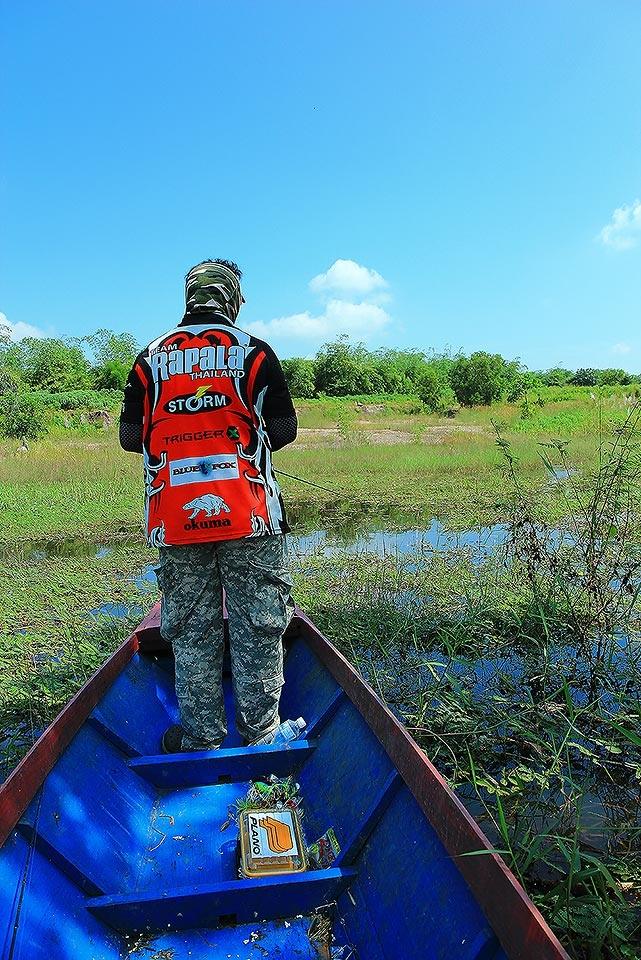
{"x":310,"y":482}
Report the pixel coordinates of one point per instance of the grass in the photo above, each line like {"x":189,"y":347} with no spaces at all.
{"x":540,"y":743}
{"x":49,"y":644}
{"x":78,"y":482}
{"x":538,"y":740}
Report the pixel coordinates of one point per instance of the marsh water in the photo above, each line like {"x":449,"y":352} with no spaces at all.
{"x":407,"y":672}
{"x":330,"y":538}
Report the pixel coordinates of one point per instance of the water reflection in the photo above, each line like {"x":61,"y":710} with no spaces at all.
{"x":480,"y":542}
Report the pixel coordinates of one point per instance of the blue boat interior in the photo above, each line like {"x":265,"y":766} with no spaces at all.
{"x":123,"y":852}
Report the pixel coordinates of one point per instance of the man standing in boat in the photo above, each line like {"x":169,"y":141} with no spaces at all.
{"x":206,"y":404}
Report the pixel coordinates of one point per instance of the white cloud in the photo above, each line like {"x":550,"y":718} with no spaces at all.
{"x":339,"y":316}
{"x":355,"y":309}
{"x":621,"y":349}
{"x":624,"y":230}
{"x":19,"y":330}
{"x":348,"y":279}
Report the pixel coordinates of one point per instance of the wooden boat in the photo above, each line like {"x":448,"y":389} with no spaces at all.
{"x":110,"y":850}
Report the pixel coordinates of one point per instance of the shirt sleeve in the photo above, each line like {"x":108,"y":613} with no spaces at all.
{"x":281,"y":431}
{"x":133,"y":401}
{"x":278,"y":401}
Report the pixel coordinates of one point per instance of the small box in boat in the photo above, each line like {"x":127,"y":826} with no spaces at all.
{"x":270,"y":842}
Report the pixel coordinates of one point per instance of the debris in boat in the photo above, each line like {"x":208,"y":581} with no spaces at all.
{"x":275,"y":792}
{"x":142,"y":943}
{"x":320,"y":931}
{"x":254,"y":936}
{"x":324,"y":851}
{"x":321,"y":934}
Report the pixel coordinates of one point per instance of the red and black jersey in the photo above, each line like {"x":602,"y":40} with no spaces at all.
{"x":202,"y":392}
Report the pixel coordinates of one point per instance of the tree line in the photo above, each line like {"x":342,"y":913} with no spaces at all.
{"x":98,"y":361}
{"x":441,"y":380}
{"x":66,"y":373}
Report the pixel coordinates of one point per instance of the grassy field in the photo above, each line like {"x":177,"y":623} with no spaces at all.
{"x":519,"y":676}
{"x":78,"y":482}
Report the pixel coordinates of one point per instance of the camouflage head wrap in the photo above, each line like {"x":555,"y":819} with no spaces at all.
{"x":213,"y":286}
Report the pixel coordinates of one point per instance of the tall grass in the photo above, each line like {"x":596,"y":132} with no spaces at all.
{"x":521,"y":678}
{"x":77,"y":481}
{"x":49,"y":643}
{"x":541,"y":745}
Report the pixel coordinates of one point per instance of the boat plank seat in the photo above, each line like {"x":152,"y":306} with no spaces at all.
{"x":234,"y":901}
{"x":213,"y":766}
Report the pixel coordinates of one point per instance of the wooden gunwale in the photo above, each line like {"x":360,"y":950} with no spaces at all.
{"x":518,"y":924}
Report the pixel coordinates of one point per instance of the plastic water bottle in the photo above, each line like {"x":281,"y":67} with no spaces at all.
{"x":288,"y":730}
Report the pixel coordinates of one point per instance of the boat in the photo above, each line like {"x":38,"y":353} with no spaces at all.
{"x":111,"y":849}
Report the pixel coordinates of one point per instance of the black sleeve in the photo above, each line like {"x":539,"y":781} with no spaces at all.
{"x":133,"y":402}
{"x":281,"y":431}
{"x":278,"y":401}
{"x":130,"y":436}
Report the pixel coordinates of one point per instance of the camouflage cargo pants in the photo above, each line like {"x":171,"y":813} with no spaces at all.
{"x":255,"y":575}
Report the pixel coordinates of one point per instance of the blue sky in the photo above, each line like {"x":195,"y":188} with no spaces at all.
{"x":417,"y":174}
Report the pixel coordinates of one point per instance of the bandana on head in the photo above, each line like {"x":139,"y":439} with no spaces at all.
{"x":213,"y":286}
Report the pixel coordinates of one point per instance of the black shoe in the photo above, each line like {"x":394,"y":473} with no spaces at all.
{"x":172,"y":741}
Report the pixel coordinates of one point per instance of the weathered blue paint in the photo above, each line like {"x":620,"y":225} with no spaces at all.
{"x":120,"y":840}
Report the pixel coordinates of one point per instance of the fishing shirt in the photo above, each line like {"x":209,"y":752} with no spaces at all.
{"x":202,"y":392}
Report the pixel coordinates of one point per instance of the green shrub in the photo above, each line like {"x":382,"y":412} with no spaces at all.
{"x":300,"y":377}
{"x":434,"y":392}
{"x":78,"y":399}
{"x":22,"y":418}
{"x":112,"y":375}
{"x":481,"y":378}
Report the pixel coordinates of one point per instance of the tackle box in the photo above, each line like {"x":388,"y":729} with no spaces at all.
{"x":271,"y":841}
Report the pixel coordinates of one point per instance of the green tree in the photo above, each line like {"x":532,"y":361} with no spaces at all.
{"x":49,"y":364}
{"x":399,"y":371}
{"x":343,"y":369}
{"x":112,"y":355}
{"x":10,"y":381}
{"x":111,"y":375}
{"x":585,"y":377}
{"x":518,"y":385}
{"x":480,"y":378}
{"x":433,"y":389}
{"x":299,"y":374}
{"x":106,"y":346}
{"x":611,"y":377}
{"x":22,"y":418}
{"x":557,"y":377}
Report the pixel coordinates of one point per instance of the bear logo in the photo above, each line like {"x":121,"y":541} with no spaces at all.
{"x":210,"y":503}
